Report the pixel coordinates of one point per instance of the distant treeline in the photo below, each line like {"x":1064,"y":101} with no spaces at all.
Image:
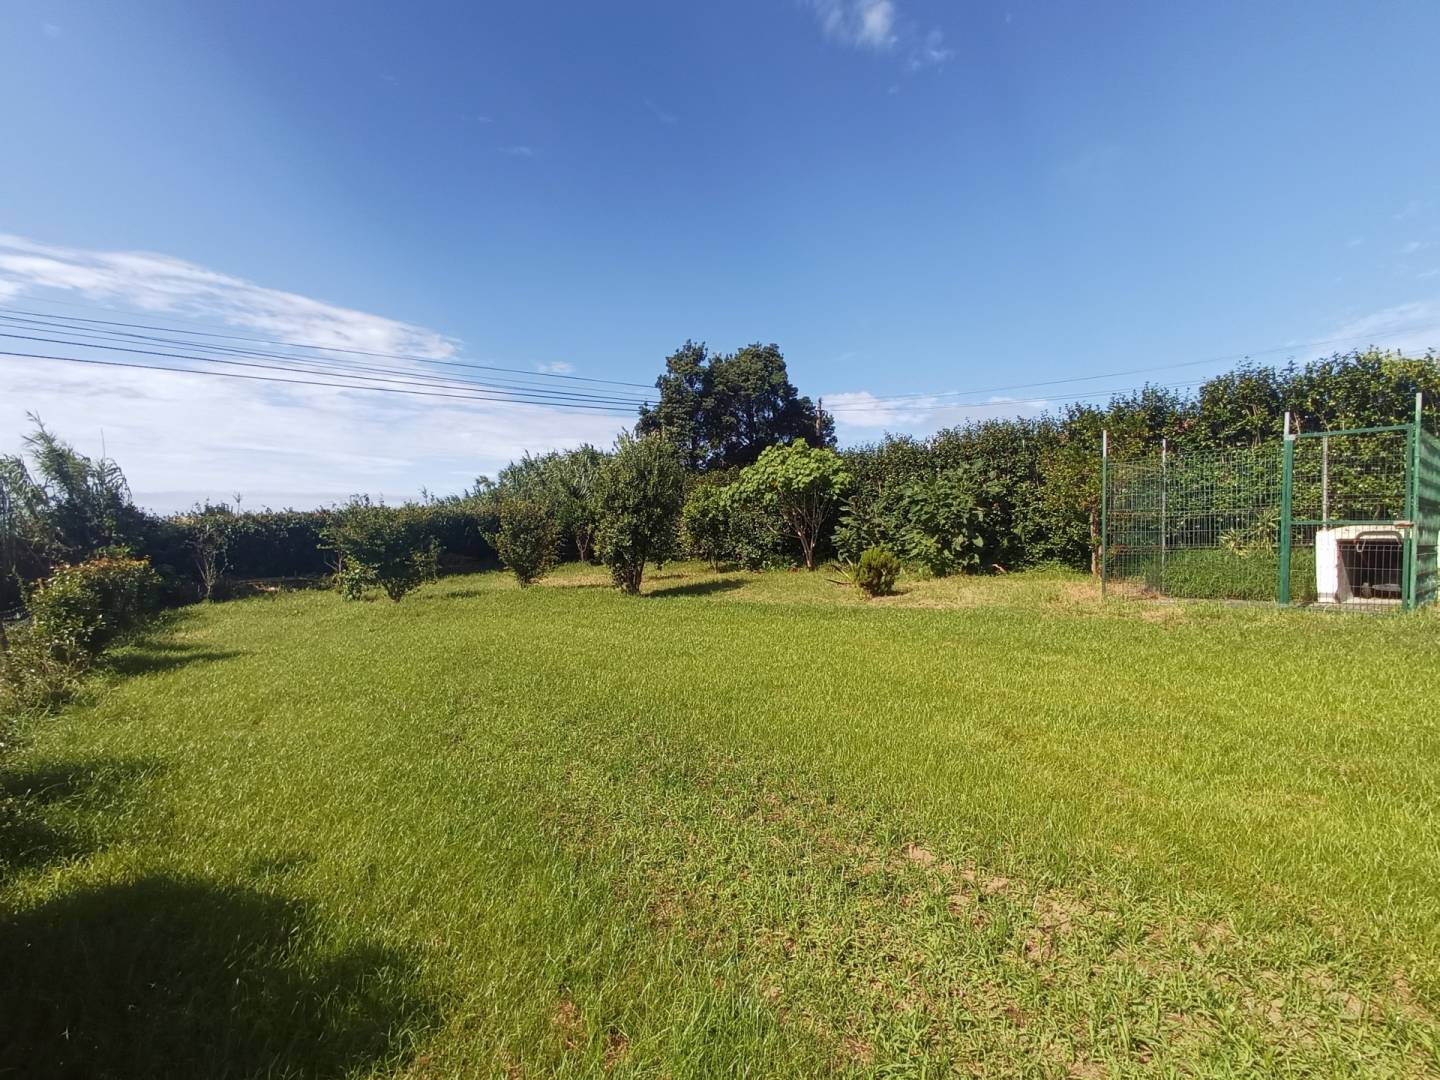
{"x":1033,"y":481}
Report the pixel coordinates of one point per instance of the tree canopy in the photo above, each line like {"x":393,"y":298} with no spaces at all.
{"x":723,"y":409}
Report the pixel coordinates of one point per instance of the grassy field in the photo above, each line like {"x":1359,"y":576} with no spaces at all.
{"x":740,"y":825}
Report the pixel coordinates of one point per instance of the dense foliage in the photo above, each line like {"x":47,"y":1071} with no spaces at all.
{"x":564,"y":482}
{"x":527,"y":538}
{"x":800,"y":485}
{"x":1000,"y":493}
{"x":78,"y":610}
{"x":381,"y":548}
{"x":705,"y":523}
{"x":723,"y":410}
{"x":639,"y":494}
{"x":75,"y":614}
{"x":933,"y":521}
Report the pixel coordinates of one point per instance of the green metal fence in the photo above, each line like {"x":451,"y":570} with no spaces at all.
{"x":1199,"y":525}
{"x":1427,"y":519}
{"x":1346,"y":519}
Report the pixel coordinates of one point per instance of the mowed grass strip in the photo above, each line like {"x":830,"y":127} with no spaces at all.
{"x":745,"y":824}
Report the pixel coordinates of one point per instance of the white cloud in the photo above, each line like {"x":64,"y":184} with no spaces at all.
{"x":1413,"y":246}
{"x":1412,"y":328}
{"x":160,"y":283}
{"x":517,"y":151}
{"x":51,"y":30}
{"x":864,"y":23}
{"x":556,"y":367}
{"x":183,"y":437}
{"x":868,"y":414}
{"x":877,"y":25}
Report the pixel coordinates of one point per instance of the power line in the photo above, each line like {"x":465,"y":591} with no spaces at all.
{"x":483,"y":394}
{"x":306,"y":382}
{"x":331,"y":348}
{"x":328,"y":364}
{"x":345,"y":369}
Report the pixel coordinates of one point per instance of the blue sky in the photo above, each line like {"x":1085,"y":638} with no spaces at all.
{"x":909,"y":197}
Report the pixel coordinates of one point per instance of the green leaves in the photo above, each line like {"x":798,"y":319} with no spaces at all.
{"x":527,"y":538}
{"x":800,"y":485}
{"x":382,"y":546}
{"x":638,"y":496}
{"x":722,"y":410}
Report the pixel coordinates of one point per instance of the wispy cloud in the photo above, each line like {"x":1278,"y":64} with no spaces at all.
{"x":866,"y":23}
{"x":1413,"y":246}
{"x":161,"y":283}
{"x":667,"y":118}
{"x":182,"y":437}
{"x":517,"y":151}
{"x":870,"y":414}
{"x":878,"y":25}
{"x":931,"y":52}
{"x":1412,"y":328}
{"x":556,"y":367}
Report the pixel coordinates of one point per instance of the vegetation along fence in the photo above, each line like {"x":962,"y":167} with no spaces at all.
{"x":1345,"y":519}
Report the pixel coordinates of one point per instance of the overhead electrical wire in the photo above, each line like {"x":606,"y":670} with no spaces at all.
{"x":105,"y":334}
{"x":333,"y":348}
{"x":307,"y":382}
{"x":323,"y":366}
{"x":358,"y":381}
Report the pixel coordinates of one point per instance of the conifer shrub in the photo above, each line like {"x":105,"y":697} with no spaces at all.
{"x":876,"y":572}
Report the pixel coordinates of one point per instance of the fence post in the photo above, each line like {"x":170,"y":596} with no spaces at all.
{"x":1325,"y":481}
{"x":1287,"y":482}
{"x":1104,"y":508}
{"x":1164,"y":493}
{"x":1412,"y":508}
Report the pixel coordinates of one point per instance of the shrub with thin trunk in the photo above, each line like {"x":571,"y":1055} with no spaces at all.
{"x":638,"y":496}
{"x":527,"y":538}
{"x":381,"y":546}
{"x":801,"y":486}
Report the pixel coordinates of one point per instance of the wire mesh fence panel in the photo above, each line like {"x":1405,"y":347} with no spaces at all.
{"x":1349,"y":511}
{"x":1200,"y":526}
{"x":1427,"y":519}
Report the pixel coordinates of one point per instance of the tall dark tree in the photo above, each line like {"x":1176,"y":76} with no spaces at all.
{"x":723,"y":410}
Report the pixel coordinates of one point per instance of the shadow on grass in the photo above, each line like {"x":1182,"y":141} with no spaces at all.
{"x":149,"y":658}
{"x":697,"y":588}
{"x":175,"y":977}
{"x":50,"y":813}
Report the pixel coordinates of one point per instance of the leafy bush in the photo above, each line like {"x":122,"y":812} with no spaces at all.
{"x":876,"y":572}
{"x":80,"y":609}
{"x":381,"y":546}
{"x":931,"y":520}
{"x":705,"y":523}
{"x":940,"y":524}
{"x":527,"y":538}
{"x":638,"y":498}
{"x":798,"y":485}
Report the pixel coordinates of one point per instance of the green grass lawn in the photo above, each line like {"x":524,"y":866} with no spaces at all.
{"x":740,"y":825}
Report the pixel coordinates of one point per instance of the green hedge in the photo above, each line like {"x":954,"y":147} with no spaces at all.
{"x":80,"y":609}
{"x":290,"y":543}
